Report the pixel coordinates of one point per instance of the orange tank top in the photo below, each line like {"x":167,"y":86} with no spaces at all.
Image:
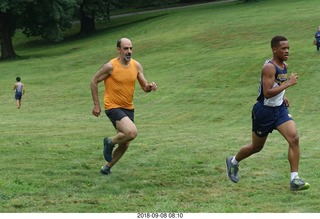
{"x":119,"y":86}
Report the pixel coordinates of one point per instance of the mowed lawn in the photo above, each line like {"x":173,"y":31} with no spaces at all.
{"x":206,"y":61}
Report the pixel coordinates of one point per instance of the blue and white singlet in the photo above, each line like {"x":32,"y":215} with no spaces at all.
{"x":280,"y":77}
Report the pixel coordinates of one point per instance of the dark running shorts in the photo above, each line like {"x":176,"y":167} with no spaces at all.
{"x":265,"y":119}
{"x":117,"y":114}
{"x":18,"y":95}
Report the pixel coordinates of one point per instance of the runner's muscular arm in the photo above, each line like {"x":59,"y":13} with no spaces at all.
{"x":102,"y":74}
{"x":268,"y":74}
{"x":147,"y":87}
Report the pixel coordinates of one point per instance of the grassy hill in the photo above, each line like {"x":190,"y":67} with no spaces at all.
{"x":206,"y":61}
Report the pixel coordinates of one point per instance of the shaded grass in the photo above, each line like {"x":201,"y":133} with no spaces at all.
{"x":206,"y":62}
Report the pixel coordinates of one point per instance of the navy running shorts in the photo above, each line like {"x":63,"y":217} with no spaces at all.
{"x":117,"y":114}
{"x":265,"y":118}
{"x":18,"y":95}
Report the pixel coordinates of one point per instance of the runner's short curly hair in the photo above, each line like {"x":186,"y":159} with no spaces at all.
{"x":276,"y":40}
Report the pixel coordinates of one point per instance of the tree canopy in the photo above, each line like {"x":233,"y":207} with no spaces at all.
{"x":45,"y":18}
{"x":49,"y":18}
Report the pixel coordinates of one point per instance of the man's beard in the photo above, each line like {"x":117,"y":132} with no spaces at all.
{"x":127,"y":57}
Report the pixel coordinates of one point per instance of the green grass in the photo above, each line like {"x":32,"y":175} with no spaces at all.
{"x":206,"y":61}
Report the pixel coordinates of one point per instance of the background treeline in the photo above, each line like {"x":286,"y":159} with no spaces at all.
{"x":49,"y":19}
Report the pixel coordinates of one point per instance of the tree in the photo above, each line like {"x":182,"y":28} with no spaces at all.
{"x":87,"y":15}
{"x":8,"y":18}
{"x":90,"y":10}
{"x":45,"y":18}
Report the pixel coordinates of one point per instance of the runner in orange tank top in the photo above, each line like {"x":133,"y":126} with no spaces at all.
{"x":119,"y":76}
{"x":119,"y":87}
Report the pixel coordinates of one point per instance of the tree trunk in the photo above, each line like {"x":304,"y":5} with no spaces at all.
{"x":87,"y":22}
{"x":7,"y":29}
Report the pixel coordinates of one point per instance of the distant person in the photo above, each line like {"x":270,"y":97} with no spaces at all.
{"x":19,"y":91}
{"x":317,"y":38}
{"x":119,"y":76}
{"x":270,"y":112}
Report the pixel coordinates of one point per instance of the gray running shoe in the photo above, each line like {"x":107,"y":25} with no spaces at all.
{"x":232,"y":170}
{"x":107,"y":150}
{"x":297,"y":184}
{"x":105,"y":172}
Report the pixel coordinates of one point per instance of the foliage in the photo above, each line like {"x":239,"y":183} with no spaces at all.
{"x":92,"y":10}
{"x":96,"y":8}
{"x":48,"y":18}
{"x":9,"y":13}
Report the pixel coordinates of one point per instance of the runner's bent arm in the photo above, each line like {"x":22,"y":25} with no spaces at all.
{"x":102,"y":74}
{"x":268,"y":74}
{"x":147,"y":87}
